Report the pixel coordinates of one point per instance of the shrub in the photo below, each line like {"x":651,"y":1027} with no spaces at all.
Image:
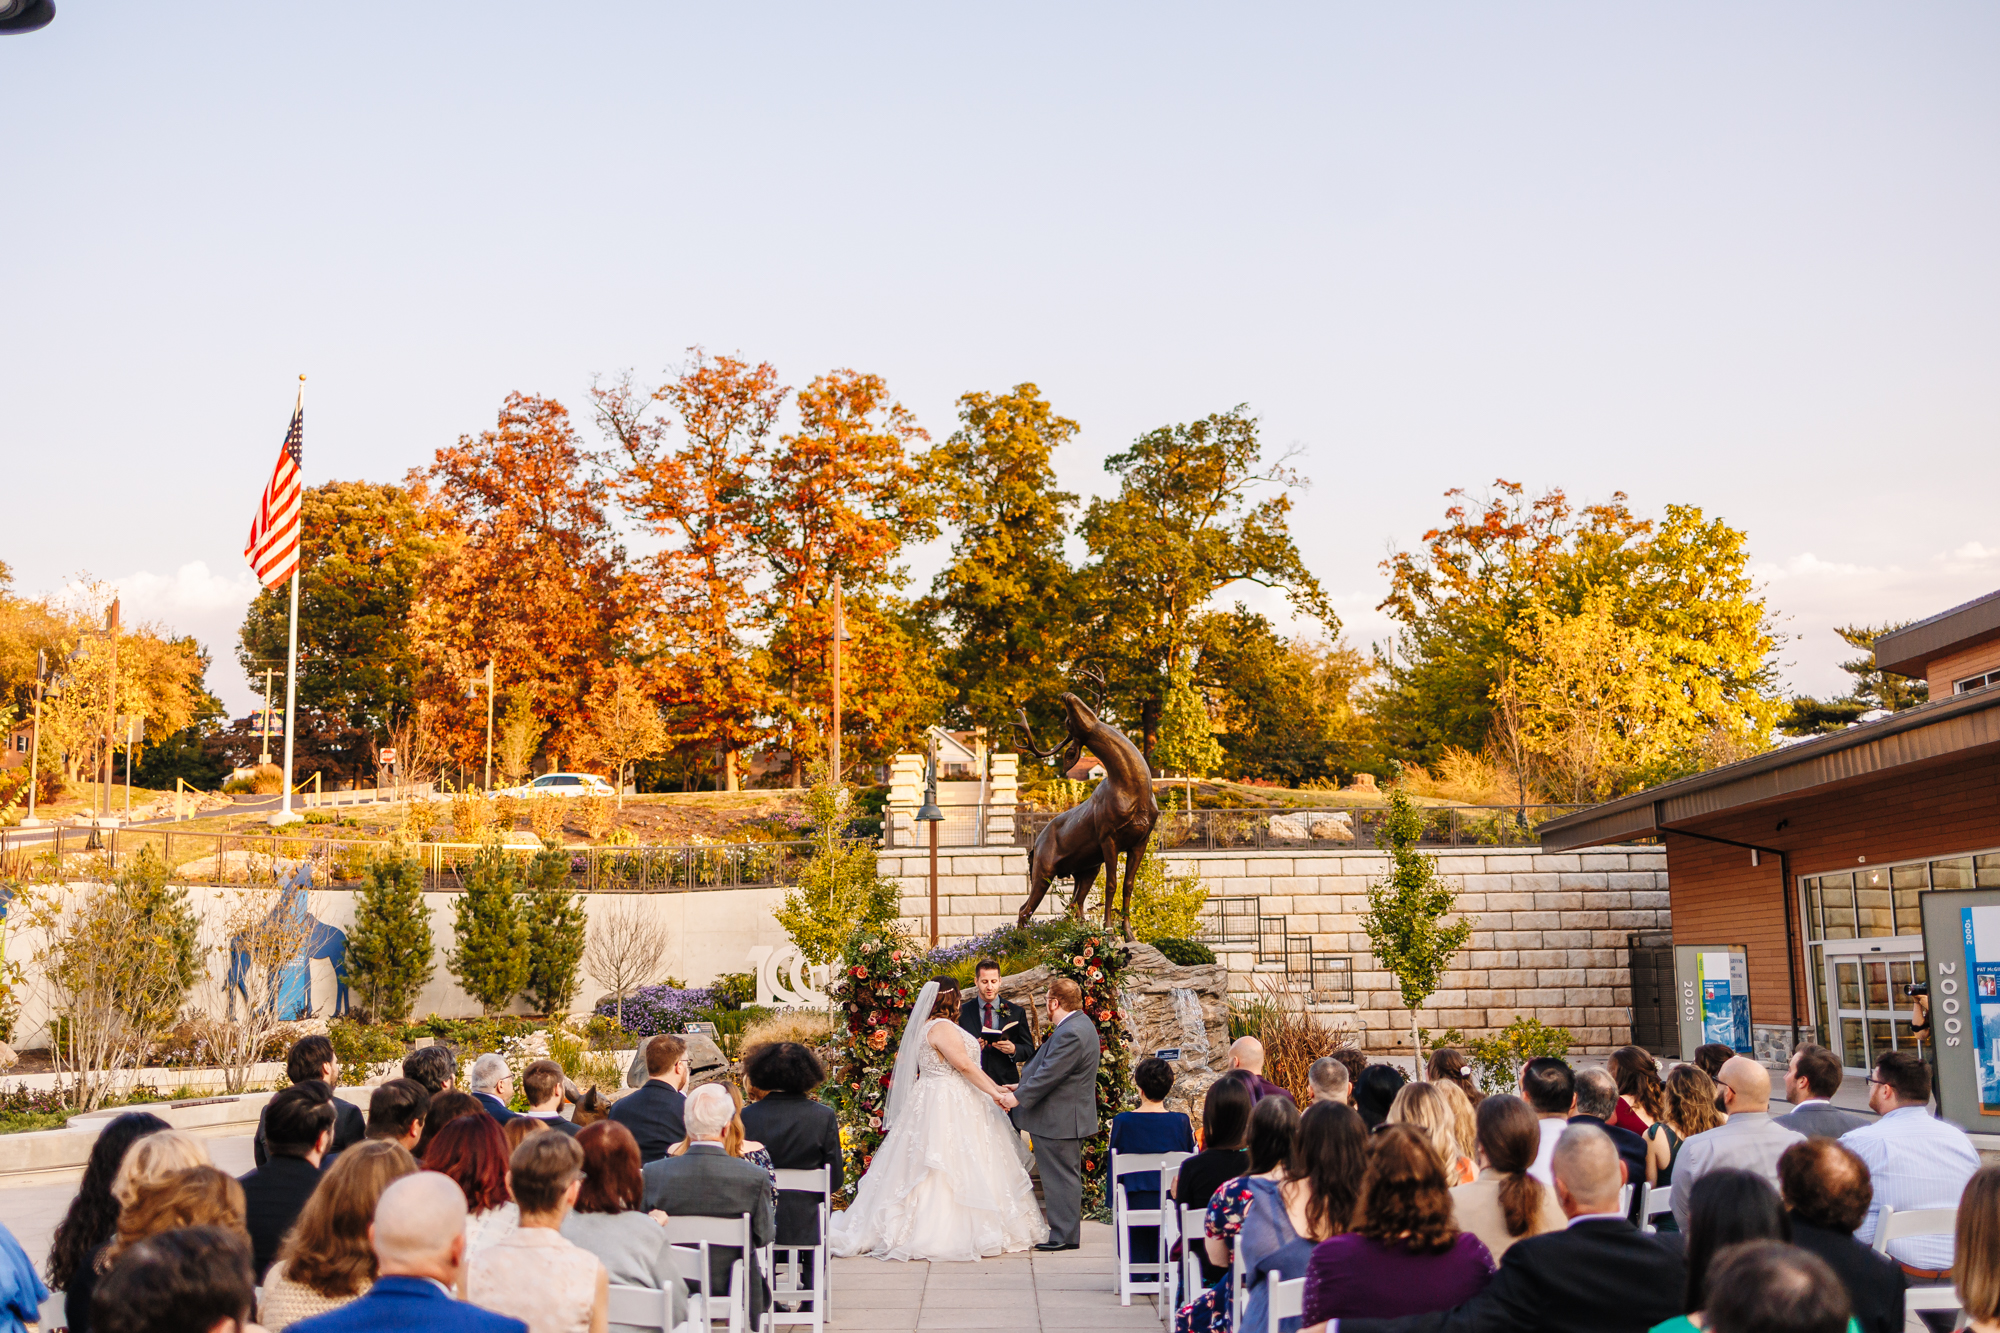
{"x":736,"y":989}
{"x":471,"y":815}
{"x":545,"y":817}
{"x":358,"y":1045}
{"x":389,"y":950}
{"x":841,"y":890}
{"x":420,"y":820}
{"x":593,"y":813}
{"x":557,"y":932}
{"x":651,"y":1010}
{"x":1187,"y":953}
{"x":507,"y":812}
{"x":238,"y":787}
{"x":1497,"y":1060}
{"x":490,"y":956}
{"x":1166,"y":905}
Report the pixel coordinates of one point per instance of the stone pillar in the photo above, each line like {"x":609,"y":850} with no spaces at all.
{"x":906,"y":794}
{"x":1003,"y":793}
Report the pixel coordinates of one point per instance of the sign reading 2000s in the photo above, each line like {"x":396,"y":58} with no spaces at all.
{"x":1962,"y":958}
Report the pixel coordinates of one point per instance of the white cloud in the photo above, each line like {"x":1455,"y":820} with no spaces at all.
{"x":196,"y":600}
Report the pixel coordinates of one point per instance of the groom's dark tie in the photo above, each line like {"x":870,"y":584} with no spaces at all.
{"x":990,"y":1024}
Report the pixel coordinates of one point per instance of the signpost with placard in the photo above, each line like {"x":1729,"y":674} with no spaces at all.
{"x":1962,"y":961}
{"x":1712,"y":996}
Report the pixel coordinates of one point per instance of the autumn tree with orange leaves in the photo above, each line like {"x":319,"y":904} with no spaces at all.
{"x":529,"y":574}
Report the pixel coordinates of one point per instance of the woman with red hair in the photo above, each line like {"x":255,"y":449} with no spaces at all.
{"x":609,"y":1221}
{"x":473,"y":1152}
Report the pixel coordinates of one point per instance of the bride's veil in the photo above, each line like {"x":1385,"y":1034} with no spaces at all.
{"x":903,"y":1079}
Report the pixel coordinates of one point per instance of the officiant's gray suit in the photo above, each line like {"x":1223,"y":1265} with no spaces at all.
{"x":1058,"y":1106}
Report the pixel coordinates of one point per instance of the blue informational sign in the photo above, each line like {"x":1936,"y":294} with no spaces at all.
{"x":1714,"y":997}
{"x":1980,"y":927}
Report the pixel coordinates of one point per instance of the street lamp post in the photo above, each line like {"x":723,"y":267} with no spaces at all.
{"x":931,"y":815}
{"x":840,"y":635}
{"x":35,"y":741}
{"x":489,"y":726}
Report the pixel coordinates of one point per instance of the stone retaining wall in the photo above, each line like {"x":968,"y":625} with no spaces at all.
{"x":1551,"y":940}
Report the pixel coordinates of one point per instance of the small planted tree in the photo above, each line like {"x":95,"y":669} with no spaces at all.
{"x":490,"y":956}
{"x":389,"y":959}
{"x":839,"y":889}
{"x":519,"y":736}
{"x":627,"y":943}
{"x":557,"y":932}
{"x":1187,"y":743}
{"x":1406,"y":914}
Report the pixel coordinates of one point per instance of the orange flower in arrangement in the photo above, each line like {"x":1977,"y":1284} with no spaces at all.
{"x":879,"y":1039}
{"x":860,"y":971}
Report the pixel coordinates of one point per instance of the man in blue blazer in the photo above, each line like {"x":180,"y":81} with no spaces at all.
{"x":419,"y":1242}
{"x":653,"y":1111}
{"x":492,"y":1086}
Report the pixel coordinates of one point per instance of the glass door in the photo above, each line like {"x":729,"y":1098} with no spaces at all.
{"x":1868,"y":996}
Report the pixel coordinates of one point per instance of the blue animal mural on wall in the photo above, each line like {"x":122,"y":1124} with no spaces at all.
{"x":291,"y":987}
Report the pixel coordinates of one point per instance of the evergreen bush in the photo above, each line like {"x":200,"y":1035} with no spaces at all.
{"x":389,"y":948}
{"x":558,"y":929}
{"x":841,"y":892}
{"x":1186,"y":953}
{"x":490,"y":956}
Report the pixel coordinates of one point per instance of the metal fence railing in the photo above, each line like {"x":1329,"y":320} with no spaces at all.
{"x":65,"y":854}
{"x":962,"y":826}
{"x":1353,"y":827}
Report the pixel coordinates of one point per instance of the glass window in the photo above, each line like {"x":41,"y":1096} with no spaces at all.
{"x":1952,"y":874}
{"x":1814,"y":929}
{"x":1818,"y":973}
{"x":1871,"y":903}
{"x":1837,"y":895}
{"x":1906,"y":882}
{"x":1987,"y":869}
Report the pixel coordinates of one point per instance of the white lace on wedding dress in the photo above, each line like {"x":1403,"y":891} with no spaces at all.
{"x":950,"y":1180}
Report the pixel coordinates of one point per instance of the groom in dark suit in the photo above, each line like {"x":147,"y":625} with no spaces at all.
{"x":985,"y":1012}
{"x":1056,"y":1102}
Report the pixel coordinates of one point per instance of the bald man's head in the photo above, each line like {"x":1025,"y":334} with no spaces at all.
{"x":1247,"y":1053}
{"x":1748,"y":1080}
{"x":1587,"y":1171}
{"x":419,"y":1228}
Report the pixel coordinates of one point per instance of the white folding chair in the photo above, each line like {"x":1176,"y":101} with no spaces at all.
{"x":55,"y":1312}
{"x":691,"y":1267}
{"x":1124,"y":1217}
{"x":1916,"y":1299}
{"x":1193,"y":1227}
{"x":1170,"y":1234}
{"x":1892,"y":1225}
{"x":645,"y":1307}
{"x":1288,"y":1301}
{"x":819,"y":1182}
{"x":1239,"y":1286}
{"x":1659,"y":1202}
{"x":701,"y":1233}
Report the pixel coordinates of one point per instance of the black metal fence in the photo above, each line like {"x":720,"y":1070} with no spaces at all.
{"x":1223,"y":830}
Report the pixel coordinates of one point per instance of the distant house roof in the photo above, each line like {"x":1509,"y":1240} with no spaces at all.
{"x":1909,"y":650}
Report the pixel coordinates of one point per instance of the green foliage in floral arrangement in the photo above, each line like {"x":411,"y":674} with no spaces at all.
{"x":880,"y":974}
{"x":389,"y":947}
{"x":1096,"y":961}
{"x":490,"y":956}
{"x":557,"y":932}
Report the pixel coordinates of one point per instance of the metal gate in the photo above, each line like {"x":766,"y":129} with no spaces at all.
{"x":1653,"y":1023}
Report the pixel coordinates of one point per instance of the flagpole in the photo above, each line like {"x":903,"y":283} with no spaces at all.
{"x":285,"y":815}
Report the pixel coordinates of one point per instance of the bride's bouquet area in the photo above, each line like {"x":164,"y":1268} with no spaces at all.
{"x":881,"y":972}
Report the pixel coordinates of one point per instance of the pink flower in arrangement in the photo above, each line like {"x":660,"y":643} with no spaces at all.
{"x":860,"y":971}
{"x":896,"y":957}
{"x":1078,"y":960}
{"x":879,"y":1038}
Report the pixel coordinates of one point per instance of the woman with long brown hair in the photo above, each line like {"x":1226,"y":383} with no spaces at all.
{"x":1642,"y":1097}
{"x":326,"y":1260}
{"x":1687,"y":1109}
{"x":1405,"y":1254}
{"x":1504,"y":1203}
{"x":949,"y":1181}
{"x":1975,"y":1266}
{"x":1450,"y":1065}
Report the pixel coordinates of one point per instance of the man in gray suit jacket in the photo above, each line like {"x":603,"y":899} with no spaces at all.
{"x":705,"y":1181}
{"x":1056,"y":1102}
{"x":1810,"y":1082}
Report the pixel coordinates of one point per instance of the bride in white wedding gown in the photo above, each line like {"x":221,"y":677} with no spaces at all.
{"x":950,"y":1181}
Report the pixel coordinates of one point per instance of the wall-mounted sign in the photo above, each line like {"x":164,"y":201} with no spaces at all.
{"x":1712,"y":996}
{"x":1962,"y":960}
{"x":1168,"y":1053}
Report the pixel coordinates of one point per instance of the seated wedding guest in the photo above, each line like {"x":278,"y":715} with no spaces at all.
{"x":1768,"y":1287}
{"x":1689,"y":1110}
{"x":542,"y":1081}
{"x":198,"y":1196}
{"x":1424,"y":1106}
{"x":1375,"y":1092}
{"x":1549,"y":1088}
{"x":1976,"y":1272}
{"x":1404,"y":1254}
{"x":610,"y":1222}
{"x":1596,"y":1102}
{"x":736,"y":1142}
{"x":653,"y":1110}
{"x":1315,"y":1197}
{"x":1274,"y":1126}
{"x":1150,"y":1129}
{"x":419,"y":1243}
{"x":1600,"y":1274}
{"x":1464,"y":1121}
{"x":21,"y":1289}
{"x":519,"y":1128}
{"x":1330,"y":1082}
{"x":311,"y":1060}
{"x":325,"y":1260}
{"x":1915,"y":1160}
{"x":1355,"y":1059}
{"x":1504,"y":1203}
{"x":298,"y":1127}
{"x":1641,"y":1094}
{"x":1710,"y":1057}
{"x":92,"y":1218}
{"x":1727,"y":1207}
{"x":1450,"y":1065}
{"x":800,"y":1134}
{"x":190,"y":1280}
{"x":705,"y":1181}
{"x":1811,"y":1078}
{"x":472,"y":1152}
{"x":433,"y":1067}
{"x":1246,"y":1056}
{"x":396,"y":1112}
{"x":445,"y":1107}
{"x":491,"y":1082}
{"x":1225,"y":1127}
{"x":533,"y":1273}
{"x":1826,"y":1190}
{"x":1746,"y":1140}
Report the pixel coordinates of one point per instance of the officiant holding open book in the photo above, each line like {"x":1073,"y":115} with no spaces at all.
{"x":1001,"y":1027}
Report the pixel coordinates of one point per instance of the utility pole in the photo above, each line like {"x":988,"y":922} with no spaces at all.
{"x":35,"y":743}
{"x":265,"y":756}
{"x":839,"y":633}
{"x":110,"y":704}
{"x":489,"y":725}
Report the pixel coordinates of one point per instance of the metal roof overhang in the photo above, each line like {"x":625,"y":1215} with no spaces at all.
{"x":1956,"y":728}
{"x":1909,"y":650}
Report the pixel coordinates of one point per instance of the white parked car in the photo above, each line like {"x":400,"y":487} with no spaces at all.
{"x":563,"y":784}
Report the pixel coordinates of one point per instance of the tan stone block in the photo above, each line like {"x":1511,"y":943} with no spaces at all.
{"x":1559,"y":861}
{"x":1606,"y":861}
{"x":1558,"y":901}
{"x":1585,"y":882}
{"x":1537,"y":921}
{"x":1566,"y":939}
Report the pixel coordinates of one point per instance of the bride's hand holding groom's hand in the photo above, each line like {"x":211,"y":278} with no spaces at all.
{"x":1005,"y":1098}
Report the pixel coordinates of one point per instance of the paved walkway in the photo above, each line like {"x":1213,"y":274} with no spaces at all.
{"x":1052,"y":1293}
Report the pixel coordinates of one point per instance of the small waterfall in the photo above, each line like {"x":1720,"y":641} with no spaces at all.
{"x":1194,"y":1027}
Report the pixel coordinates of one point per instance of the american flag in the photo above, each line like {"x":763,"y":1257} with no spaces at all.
{"x":273,"y":548}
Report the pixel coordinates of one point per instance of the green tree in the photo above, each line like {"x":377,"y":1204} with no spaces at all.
{"x":840,"y":892}
{"x":1405,"y":920}
{"x":389,"y":948}
{"x":1873,"y":686}
{"x":1183,"y":527}
{"x":1187,"y":742}
{"x":1003,"y":601}
{"x":1166,"y":906}
{"x":558,"y":930}
{"x":490,"y":955}
{"x":1291,"y":709}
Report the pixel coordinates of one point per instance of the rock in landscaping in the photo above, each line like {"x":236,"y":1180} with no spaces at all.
{"x":1291,"y":826}
{"x":8,"y":1057}
{"x":1337,"y":826}
{"x":706,"y":1062}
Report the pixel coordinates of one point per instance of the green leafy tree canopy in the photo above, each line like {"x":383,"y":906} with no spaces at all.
{"x":1405,"y":920}
{"x":839,"y":892}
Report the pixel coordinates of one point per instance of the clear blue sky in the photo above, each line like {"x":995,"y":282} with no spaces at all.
{"x":1737,"y":256}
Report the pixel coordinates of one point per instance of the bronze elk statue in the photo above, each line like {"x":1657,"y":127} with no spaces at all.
{"x":1117,"y":817}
